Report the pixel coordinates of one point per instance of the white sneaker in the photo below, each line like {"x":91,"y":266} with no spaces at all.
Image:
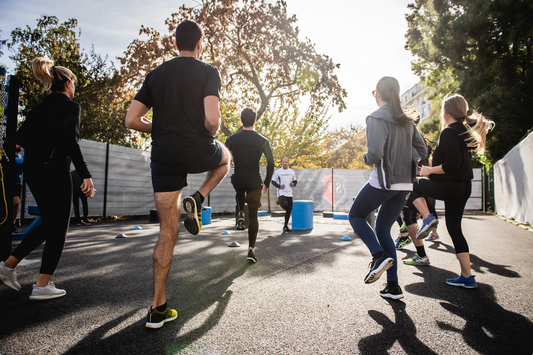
{"x":8,"y":277}
{"x":49,"y":292}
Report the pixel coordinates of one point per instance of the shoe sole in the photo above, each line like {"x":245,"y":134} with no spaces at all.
{"x":160,"y":324}
{"x":251,"y":260}
{"x":461,"y":285}
{"x":192,"y":224}
{"x":423,"y":233}
{"x":46,"y":297}
{"x":240,"y":224}
{"x":388,"y":295}
{"x":428,"y":239}
{"x":376,"y":274}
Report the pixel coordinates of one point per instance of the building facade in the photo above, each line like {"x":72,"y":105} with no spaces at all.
{"x":417,"y":96}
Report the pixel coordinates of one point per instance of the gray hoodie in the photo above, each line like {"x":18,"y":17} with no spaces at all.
{"x":393,"y":149}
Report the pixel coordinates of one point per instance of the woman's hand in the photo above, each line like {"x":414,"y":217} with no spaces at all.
{"x":424,"y":171}
{"x":88,"y":187}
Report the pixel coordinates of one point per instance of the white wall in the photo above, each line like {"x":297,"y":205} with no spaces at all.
{"x":513,"y":182}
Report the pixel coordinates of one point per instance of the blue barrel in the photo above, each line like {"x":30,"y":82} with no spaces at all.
{"x":206,"y":215}
{"x":302,"y":215}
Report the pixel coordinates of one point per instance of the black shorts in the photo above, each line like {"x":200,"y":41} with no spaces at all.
{"x":168,"y":178}
{"x":249,"y":184}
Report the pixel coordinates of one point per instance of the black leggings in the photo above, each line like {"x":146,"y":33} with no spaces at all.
{"x":286,"y":203}
{"x":455,"y":194}
{"x":248,"y":190}
{"x":51,"y":187}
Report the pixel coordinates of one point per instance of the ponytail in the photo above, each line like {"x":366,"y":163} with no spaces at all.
{"x":477,"y":125}
{"x":389,"y":88}
{"x":52,"y":77}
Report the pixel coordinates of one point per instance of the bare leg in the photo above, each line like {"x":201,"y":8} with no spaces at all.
{"x":215,"y":176}
{"x":12,"y":262}
{"x":43,"y":280}
{"x":421,"y":206}
{"x":168,"y":208}
{"x":413,"y":229}
{"x":464,"y":261}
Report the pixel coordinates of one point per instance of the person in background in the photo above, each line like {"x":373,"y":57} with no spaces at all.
{"x":247,"y":146}
{"x":50,"y":137}
{"x":285,"y":179}
{"x":77,"y":195}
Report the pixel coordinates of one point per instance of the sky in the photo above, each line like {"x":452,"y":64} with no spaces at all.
{"x":366,"y":38}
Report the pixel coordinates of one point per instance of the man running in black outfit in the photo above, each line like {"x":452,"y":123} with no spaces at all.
{"x":247,"y":146}
{"x":184,"y":94}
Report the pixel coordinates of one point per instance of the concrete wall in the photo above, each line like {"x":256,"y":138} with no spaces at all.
{"x":129,"y":187}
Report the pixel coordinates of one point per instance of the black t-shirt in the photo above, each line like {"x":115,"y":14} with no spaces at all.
{"x":453,"y":154}
{"x":175,"y":91}
{"x":247,"y":148}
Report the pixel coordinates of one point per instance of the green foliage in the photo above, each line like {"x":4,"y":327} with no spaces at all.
{"x":430,"y":128}
{"x":98,"y":90}
{"x":482,"y":50}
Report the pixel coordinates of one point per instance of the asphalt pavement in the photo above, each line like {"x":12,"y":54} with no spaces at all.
{"x":305,"y":295}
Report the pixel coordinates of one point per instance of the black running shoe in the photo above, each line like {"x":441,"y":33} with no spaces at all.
{"x":251,"y":257}
{"x":378,"y":266}
{"x":193,"y":208}
{"x":156,"y":319}
{"x":287,"y":229}
{"x":240,"y":221}
{"x":395,"y":293}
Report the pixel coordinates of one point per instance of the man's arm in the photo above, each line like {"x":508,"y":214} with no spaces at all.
{"x":135,"y":117}
{"x":212,"y":114}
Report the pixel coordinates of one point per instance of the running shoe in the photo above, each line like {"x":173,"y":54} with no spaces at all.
{"x":395,"y":293}
{"x":427,"y":225}
{"x":86,"y":223}
{"x":403,"y":228}
{"x":402,"y":242}
{"x":287,"y":229}
{"x":417,"y":261}
{"x":251,"y":257}
{"x":8,"y":277}
{"x":193,"y":207}
{"x":432,"y":237}
{"x":240,"y":221}
{"x":466,"y":282}
{"x":156,"y":319}
{"x":378,"y":266}
{"x":46,"y":293}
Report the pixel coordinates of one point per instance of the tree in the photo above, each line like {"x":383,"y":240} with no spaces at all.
{"x":255,"y":46}
{"x":344,"y":148}
{"x":99,"y":85}
{"x":483,"y":50}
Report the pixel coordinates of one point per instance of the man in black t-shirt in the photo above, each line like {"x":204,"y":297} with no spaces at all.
{"x":247,"y":146}
{"x":184,"y":95}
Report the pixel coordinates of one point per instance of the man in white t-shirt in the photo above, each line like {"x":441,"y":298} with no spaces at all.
{"x":285,"y":179}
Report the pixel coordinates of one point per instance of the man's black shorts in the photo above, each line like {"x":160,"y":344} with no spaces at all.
{"x":249,"y":184}
{"x":168,"y":178}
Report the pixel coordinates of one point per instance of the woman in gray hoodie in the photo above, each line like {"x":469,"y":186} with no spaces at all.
{"x":394,"y":147}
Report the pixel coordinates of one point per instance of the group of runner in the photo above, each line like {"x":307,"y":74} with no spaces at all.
{"x":184,"y":96}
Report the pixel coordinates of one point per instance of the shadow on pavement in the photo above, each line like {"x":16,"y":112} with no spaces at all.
{"x":489,"y":328}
